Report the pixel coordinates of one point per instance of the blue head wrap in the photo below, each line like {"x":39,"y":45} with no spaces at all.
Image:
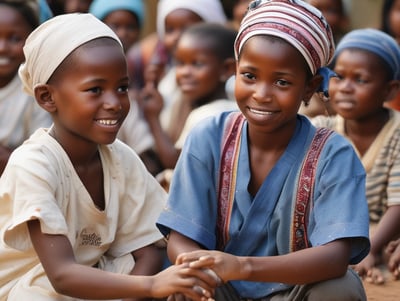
{"x":101,"y":8}
{"x":375,"y":41}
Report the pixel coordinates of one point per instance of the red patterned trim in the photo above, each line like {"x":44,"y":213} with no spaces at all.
{"x":305,"y":190}
{"x":227,"y":175}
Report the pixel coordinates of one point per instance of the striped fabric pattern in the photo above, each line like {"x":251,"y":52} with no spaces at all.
{"x":296,"y":22}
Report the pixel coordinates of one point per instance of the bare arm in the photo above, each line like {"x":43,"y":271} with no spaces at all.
{"x":79,"y":281}
{"x":301,"y":267}
{"x":151,"y":102}
{"x":178,"y":244}
{"x":4,"y":155}
{"x":148,"y":261}
{"x":386,"y":231}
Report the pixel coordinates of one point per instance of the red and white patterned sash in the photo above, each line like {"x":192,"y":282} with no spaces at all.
{"x":227,"y":182}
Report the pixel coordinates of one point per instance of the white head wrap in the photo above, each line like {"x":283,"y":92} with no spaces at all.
{"x":208,"y":10}
{"x":50,"y":43}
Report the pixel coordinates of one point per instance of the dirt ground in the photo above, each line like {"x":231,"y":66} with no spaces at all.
{"x":390,"y":291}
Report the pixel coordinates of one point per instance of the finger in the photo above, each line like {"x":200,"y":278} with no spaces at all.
{"x":214,"y":275}
{"x":204,"y":261}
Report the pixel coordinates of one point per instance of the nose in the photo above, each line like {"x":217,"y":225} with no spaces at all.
{"x":345,"y":85}
{"x":262,"y":93}
{"x":3,"y":44}
{"x":112,"y":102}
{"x":183,"y":70}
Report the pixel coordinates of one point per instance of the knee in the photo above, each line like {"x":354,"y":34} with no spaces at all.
{"x":347,"y":288}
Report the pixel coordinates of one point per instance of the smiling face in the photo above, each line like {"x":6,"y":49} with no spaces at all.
{"x":88,"y":94}
{"x":14,"y":30}
{"x":272,"y":79}
{"x":199,"y":70}
{"x":362,"y":84}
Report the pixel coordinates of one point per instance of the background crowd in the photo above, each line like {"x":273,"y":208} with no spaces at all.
{"x":181,"y":65}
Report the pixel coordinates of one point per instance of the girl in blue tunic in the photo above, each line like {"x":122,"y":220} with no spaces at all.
{"x":283,"y":203}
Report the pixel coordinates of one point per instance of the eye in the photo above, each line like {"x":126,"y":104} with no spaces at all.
{"x":94,"y":90}
{"x":15,"y":38}
{"x":361,"y":80}
{"x":282,"y":83}
{"x":338,"y":77}
{"x":248,"y":75}
{"x":123,"y":89}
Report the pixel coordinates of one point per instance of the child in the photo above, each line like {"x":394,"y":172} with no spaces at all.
{"x":367,"y":63}
{"x":20,"y":115}
{"x":239,"y":185}
{"x":125,"y":17}
{"x":204,"y":61}
{"x":173,"y":17}
{"x":78,"y":207}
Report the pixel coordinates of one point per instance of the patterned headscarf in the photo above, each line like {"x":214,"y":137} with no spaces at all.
{"x":294,"y":21}
{"x":375,"y":41}
{"x":50,"y":43}
{"x":208,"y":10}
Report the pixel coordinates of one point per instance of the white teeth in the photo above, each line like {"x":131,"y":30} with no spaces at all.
{"x":4,"y":60}
{"x":260,"y":112}
{"x":107,"y":121}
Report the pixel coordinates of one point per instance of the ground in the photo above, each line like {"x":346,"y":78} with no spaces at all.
{"x":390,"y":291}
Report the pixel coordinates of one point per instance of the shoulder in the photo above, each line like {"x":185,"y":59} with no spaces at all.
{"x":324,"y":121}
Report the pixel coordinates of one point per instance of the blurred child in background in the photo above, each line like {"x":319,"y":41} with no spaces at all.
{"x":20,"y":115}
{"x":204,"y":61}
{"x":367,"y":64}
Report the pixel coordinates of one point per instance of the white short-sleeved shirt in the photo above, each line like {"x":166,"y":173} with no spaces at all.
{"x":40,"y":182}
{"x":20,"y":115}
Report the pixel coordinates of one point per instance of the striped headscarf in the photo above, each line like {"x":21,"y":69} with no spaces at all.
{"x":50,"y":43}
{"x":375,"y":41}
{"x":294,"y":21}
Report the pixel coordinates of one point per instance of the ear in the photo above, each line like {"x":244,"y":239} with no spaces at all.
{"x":228,"y":69}
{"x":312,"y":86}
{"x":392,"y":90}
{"x":44,"y":98}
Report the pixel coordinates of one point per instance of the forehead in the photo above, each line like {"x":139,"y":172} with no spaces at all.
{"x":269,"y":52}
{"x":181,"y":16}
{"x":365,"y":58}
{"x":99,"y":53}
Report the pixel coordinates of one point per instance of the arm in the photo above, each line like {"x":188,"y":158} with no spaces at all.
{"x":301,"y":267}
{"x":4,"y":155}
{"x":151,"y":102}
{"x":148,"y":261}
{"x":84,"y":282}
{"x":178,"y":244}
{"x":386,"y":231}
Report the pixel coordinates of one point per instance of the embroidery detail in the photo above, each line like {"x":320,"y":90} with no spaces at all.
{"x":228,"y":173}
{"x":305,"y":190}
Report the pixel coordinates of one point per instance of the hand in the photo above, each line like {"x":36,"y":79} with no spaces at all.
{"x":226,"y":266}
{"x":393,"y":252}
{"x":150,"y":101}
{"x":192,"y":283}
{"x":367,"y":270}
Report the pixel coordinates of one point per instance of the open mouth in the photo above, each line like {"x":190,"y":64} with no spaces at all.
{"x":259,"y":112}
{"x":108,"y":121}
